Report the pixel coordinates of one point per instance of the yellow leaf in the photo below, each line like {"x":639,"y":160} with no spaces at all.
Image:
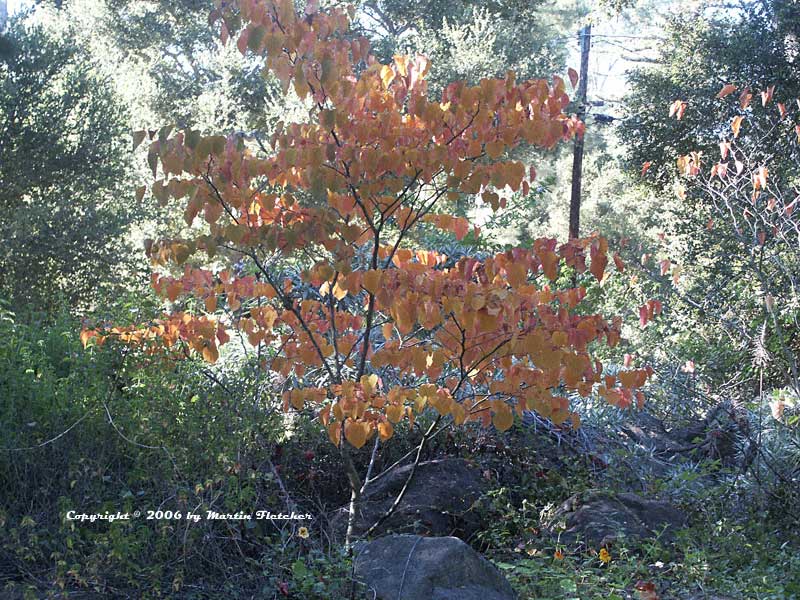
{"x":385,"y":430}
{"x":676,"y":274}
{"x":503,"y":418}
{"x":210,"y":353}
{"x":356,"y":433}
{"x":387,"y":75}
{"x":86,"y":335}
{"x":369,"y":383}
{"x":459,"y":413}
{"x":395,"y":413}
{"x":334,"y":433}
{"x":372,"y":281}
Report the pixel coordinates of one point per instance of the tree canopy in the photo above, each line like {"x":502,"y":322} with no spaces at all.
{"x":61,"y":223}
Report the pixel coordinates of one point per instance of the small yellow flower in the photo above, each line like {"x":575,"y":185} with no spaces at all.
{"x":303,"y":532}
{"x":559,"y":555}
{"x":604,"y":556}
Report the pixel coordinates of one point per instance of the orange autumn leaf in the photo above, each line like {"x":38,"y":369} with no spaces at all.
{"x":618,"y":262}
{"x":356,"y":432}
{"x":502,"y":418}
{"x":677,"y":109}
{"x":736,"y":125}
{"x":726,"y":90}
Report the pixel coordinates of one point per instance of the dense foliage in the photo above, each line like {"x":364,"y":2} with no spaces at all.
{"x":63,"y":172}
{"x":734,"y":101}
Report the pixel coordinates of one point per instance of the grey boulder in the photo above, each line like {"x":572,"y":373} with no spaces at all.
{"x":412,"y":567}
{"x":599,"y":517}
{"x":438,"y":502}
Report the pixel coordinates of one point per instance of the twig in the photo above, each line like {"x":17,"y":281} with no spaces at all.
{"x":53,"y":439}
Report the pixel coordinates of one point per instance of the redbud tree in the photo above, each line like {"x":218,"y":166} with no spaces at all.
{"x":379,"y":330}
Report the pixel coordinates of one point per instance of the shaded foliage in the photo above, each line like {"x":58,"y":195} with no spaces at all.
{"x":63,"y":172}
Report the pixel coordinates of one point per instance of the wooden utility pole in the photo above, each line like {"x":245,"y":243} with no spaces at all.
{"x":577,"y":159}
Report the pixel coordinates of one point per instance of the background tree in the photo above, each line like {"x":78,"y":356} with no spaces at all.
{"x":741,"y":55}
{"x":467,"y":41}
{"x":63,"y":173}
{"x":755,"y":47}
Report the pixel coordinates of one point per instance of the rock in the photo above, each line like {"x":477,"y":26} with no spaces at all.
{"x":722,"y":435}
{"x":437,"y":502}
{"x":650,"y":432}
{"x":598,"y":518}
{"x":411,"y":567}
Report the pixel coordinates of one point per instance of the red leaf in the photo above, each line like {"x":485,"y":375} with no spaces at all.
{"x":726,"y":90}
{"x":655,"y":306}
{"x":460,"y":228}
{"x":573,"y":76}
{"x":677,"y":108}
{"x":646,"y":166}
{"x":646,"y":590}
{"x":744,"y":98}
{"x":766,"y":95}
